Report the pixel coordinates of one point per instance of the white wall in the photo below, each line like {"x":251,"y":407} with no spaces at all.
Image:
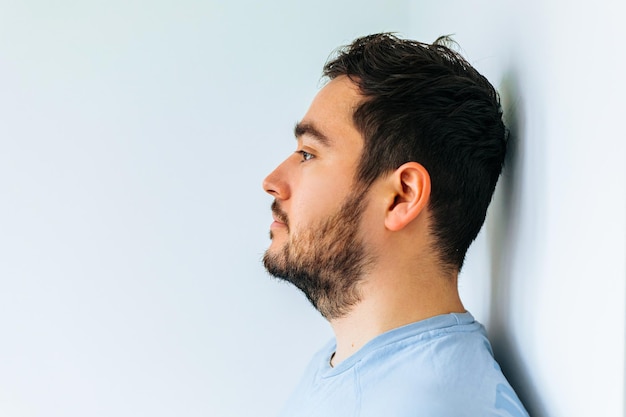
{"x":547,"y":275}
{"x":134,"y":136}
{"x":133,"y":140}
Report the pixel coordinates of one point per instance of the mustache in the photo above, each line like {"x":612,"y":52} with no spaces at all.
{"x":280,"y":215}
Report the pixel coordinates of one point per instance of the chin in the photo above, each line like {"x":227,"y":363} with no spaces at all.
{"x":276,"y":245}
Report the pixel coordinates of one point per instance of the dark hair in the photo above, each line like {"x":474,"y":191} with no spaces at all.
{"x":426,"y":103}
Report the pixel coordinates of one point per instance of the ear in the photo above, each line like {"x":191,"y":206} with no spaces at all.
{"x":411,"y":192}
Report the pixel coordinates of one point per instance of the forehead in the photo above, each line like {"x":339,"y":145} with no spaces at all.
{"x":331,"y":112}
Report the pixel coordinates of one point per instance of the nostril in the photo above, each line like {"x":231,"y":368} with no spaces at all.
{"x":268,"y":186}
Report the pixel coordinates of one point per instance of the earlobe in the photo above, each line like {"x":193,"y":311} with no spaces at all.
{"x":411,"y":192}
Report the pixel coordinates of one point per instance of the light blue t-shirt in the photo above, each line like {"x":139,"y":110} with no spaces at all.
{"x":439,"y":367}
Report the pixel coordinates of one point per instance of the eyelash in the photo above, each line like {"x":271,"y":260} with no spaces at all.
{"x":306,"y":156}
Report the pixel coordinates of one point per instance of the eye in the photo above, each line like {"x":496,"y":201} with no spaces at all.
{"x":305,"y":155}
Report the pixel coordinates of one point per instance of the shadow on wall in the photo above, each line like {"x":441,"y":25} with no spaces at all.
{"x":504,"y":234}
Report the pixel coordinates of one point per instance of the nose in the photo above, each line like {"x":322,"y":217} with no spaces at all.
{"x":275,"y":184}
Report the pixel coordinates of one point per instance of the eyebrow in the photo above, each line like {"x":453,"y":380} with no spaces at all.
{"x":304,"y":128}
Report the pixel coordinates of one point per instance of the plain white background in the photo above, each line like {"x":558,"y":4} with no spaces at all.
{"x":134,"y":137}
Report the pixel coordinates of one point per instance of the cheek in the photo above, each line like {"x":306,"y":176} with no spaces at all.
{"x":318,"y":202}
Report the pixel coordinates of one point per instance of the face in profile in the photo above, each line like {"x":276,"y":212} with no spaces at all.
{"x":317,"y":243}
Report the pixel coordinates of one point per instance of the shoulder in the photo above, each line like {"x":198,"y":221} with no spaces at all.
{"x":447,"y":371}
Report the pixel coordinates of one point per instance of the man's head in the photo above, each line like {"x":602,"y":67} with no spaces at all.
{"x":392,"y":107}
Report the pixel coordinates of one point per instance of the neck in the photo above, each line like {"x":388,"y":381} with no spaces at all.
{"x":389,"y":301}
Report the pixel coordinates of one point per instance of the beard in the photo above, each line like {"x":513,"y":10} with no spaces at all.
{"x":326,"y":261}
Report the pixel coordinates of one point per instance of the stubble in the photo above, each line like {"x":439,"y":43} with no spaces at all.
{"x":326,"y":261}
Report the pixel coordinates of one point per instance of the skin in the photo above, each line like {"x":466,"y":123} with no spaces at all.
{"x":403,"y":281}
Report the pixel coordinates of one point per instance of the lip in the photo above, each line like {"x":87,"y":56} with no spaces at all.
{"x":279,"y":217}
{"x":277,"y":224}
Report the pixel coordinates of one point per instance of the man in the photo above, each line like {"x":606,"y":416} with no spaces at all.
{"x":396,"y":162}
